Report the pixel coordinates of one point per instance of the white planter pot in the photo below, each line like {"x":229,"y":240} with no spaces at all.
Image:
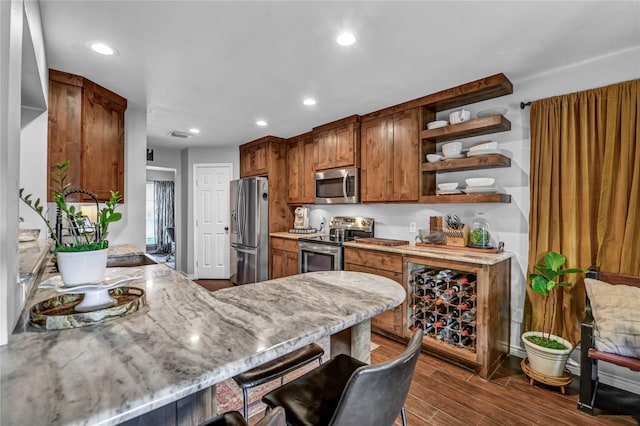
{"x":82,"y":267}
{"x":550,"y":362}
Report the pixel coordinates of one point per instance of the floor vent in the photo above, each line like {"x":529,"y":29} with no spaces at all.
{"x":178,"y":134}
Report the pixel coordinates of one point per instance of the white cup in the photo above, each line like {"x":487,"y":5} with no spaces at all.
{"x":459,"y":116}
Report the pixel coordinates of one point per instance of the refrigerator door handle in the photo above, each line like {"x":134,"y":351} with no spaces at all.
{"x":240,"y":217}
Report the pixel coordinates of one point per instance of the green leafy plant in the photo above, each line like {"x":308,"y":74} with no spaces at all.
{"x":81,"y":241}
{"x":544,"y":282}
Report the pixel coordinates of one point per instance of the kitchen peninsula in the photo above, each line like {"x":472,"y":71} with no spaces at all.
{"x":181,"y":344}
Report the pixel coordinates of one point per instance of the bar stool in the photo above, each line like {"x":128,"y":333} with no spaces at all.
{"x":232,"y":418}
{"x":271,"y":370}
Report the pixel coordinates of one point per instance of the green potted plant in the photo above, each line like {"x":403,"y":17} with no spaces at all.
{"x":82,"y":257}
{"x":547,"y":352}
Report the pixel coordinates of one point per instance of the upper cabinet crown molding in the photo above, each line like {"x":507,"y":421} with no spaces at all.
{"x":86,"y":127}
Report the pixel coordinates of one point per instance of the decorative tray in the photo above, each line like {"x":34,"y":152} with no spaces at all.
{"x":58,"y":313}
{"x":488,"y":250}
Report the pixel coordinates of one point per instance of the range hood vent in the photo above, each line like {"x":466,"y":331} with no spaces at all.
{"x":179,"y":134}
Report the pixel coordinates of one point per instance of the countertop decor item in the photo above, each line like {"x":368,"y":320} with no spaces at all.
{"x":546,"y":352}
{"x":480,"y":235}
{"x":84,"y":237}
{"x":60,"y":312}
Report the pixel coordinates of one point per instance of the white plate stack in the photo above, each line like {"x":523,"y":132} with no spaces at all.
{"x":480,"y":186}
{"x":484,"y":148}
{"x":448,"y":188}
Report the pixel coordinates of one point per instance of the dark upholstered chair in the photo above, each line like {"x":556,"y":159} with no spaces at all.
{"x":589,"y":355}
{"x":348,"y":392}
{"x":277,"y":368}
{"x":232,"y":418}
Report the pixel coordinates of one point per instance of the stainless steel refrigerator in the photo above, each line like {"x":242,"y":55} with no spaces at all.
{"x":249,"y":237}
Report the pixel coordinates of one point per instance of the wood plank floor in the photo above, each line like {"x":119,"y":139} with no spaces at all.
{"x":445,"y":394}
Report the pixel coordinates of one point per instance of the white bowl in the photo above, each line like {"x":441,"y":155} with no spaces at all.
{"x":484,"y":146}
{"x":434,"y":158}
{"x":492,"y":111}
{"x":480,"y":181}
{"x":436,"y":124}
{"x":452,"y":148}
{"x":447,"y":186}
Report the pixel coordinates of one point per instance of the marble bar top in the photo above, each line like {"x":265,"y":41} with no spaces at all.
{"x":185,"y":340}
{"x":294,"y":236}
{"x":438,"y":253}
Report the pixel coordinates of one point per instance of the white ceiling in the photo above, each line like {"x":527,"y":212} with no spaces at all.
{"x":220,"y":66}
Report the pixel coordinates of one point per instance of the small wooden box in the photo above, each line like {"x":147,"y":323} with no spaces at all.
{"x":457,"y":237}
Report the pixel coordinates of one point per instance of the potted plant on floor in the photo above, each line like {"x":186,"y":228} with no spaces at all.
{"x":547,"y":352}
{"x":83,"y":259}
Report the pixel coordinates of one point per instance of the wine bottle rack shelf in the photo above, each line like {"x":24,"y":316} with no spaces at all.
{"x":443,"y":304}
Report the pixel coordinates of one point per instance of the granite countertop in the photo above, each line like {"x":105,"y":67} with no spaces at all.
{"x":438,"y":253}
{"x":295,"y":236}
{"x":185,"y":339}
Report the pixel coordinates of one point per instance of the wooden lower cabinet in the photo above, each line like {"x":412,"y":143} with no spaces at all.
{"x":284,"y":257}
{"x":466,"y":321}
{"x":387,"y":265}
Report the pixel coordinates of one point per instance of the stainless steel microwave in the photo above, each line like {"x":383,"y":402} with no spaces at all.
{"x":338,"y":186}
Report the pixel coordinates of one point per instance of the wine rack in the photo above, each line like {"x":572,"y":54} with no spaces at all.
{"x":443,"y":304}
{"x":463,"y":307}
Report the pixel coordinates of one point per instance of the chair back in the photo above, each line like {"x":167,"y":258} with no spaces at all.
{"x":375,"y":393}
{"x":276,"y":417}
{"x":170,"y":233}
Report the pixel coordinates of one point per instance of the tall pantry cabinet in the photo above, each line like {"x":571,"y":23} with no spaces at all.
{"x":86,"y":127}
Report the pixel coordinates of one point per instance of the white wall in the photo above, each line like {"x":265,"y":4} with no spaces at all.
{"x":510,"y":221}
{"x":131,"y":229}
{"x":13,"y":14}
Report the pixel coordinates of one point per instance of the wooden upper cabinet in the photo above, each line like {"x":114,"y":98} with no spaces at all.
{"x":86,"y":127}
{"x":337,"y":144}
{"x":390,"y":157}
{"x":254,"y":159}
{"x":301,"y":170}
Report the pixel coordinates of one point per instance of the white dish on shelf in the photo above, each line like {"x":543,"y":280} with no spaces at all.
{"x":448,"y":192}
{"x":436,"y":124}
{"x":482,"y":152}
{"x":452,"y":157}
{"x":447,"y":186}
{"x":492,"y":111}
{"x":434,"y":158}
{"x":96,"y":295}
{"x":484,"y":146}
{"x":480,"y":190}
{"x":479,"y":182}
{"x":452,"y":148}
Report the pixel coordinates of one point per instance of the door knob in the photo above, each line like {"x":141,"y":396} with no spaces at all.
{"x":226,"y":228}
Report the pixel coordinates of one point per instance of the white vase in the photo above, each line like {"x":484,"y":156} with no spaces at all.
{"x":82,"y":267}
{"x":550,"y":362}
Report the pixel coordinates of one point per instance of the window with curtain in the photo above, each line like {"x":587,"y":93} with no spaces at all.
{"x":164,"y":206}
{"x":585,"y":191}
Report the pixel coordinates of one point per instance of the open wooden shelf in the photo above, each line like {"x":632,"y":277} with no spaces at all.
{"x":469,"y":163}
{"x":477,"y":127}
{"x":465,"y":198}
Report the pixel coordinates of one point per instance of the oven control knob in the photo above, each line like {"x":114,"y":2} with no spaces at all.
{"x":366,"y":222}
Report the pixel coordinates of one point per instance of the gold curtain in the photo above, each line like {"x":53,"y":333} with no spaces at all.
{"x":585,"y":192}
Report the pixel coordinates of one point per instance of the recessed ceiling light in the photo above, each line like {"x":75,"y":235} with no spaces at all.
{"x":309,"y":101}
{"x":103,"y":49}
{"x":261,"y":123}
{"x":346,"y":39}
{"x":194,"y":131}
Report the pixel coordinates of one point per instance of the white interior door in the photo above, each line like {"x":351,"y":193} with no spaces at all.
{"x":211,"y":224}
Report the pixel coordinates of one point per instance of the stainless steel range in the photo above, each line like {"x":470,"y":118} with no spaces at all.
{"x":325,"y":253}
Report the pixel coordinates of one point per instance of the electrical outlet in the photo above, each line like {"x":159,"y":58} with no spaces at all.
{"x":412,"y":227}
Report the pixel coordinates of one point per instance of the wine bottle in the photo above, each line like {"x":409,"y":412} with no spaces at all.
{"x":444,"y":334}
{"x":468,"y":316}
{"x":467,"y":330}
{"x":467,"y":304}
{"x":454,"y":339}
{"x":467,"y":341}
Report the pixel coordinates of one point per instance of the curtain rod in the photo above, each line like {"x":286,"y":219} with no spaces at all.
{"x":523,"y":105}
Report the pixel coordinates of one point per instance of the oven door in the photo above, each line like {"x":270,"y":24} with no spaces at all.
{"x":318,"y":257}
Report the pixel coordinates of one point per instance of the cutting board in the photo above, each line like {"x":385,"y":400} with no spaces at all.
{"x":492,"y":250}
{"x":382,"y":242}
